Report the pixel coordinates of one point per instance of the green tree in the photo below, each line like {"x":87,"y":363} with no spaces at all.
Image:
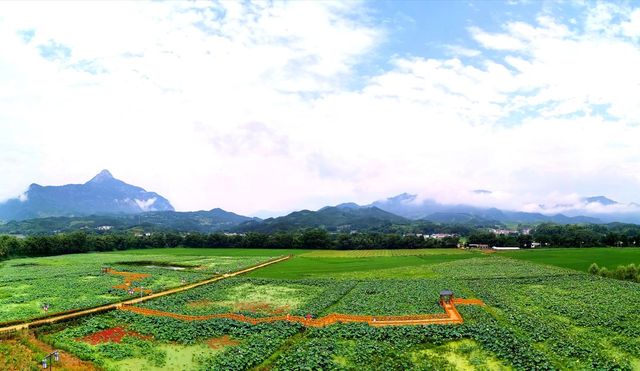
{"x":315,"y":239}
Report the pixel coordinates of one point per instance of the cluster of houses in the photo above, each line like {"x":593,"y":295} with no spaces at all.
{"x":481,"y":246}
{"x":437,"y":236}
{"x":506,"y":232}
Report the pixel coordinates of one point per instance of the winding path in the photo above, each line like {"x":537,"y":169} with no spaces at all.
{"x":449,"y":317}
{"x":104,"y":308}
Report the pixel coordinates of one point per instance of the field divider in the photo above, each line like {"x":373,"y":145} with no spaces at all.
{"x":67,"y":315}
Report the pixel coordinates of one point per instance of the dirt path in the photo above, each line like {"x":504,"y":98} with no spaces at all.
{"x":108,"y":307}
{"x":450,"y":316}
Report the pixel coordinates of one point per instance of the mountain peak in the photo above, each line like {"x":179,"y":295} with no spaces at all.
{"x":482,"y":192}
{"x":102,"y":176}
{"x":600,"y":199}
{"x":403,"y":197}
{"x":348,"y":206}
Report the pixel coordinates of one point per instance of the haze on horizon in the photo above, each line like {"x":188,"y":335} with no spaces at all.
{"x":290,"y":105}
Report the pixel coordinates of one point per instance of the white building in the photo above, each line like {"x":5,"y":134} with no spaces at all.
{"x":505,"y":248}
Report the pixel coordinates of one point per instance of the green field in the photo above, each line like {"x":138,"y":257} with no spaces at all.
{"x":579,"y":258}
{"x":76,"y":281}
{"x":302,"y":266}
{"x":183,"y":251}
{"x":540,"y":313}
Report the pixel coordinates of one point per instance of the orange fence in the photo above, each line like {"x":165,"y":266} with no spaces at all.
{"x":467,"y":301}
{"x":450,"y":316}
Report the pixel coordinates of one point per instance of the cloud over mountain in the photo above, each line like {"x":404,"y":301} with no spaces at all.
{"x":252,"y":106}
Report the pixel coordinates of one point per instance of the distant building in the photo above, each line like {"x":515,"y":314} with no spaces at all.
{"x":104,"y":228}
{"x":478,"y":246}
{"x":439,"y":236}
{"x":504,"y":231}
{"x":506,"y":248}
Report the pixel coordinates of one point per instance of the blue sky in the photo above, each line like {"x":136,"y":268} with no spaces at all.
{"x":255,"y":106}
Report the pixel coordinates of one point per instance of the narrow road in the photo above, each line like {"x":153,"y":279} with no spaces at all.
{"x":108,"y":307}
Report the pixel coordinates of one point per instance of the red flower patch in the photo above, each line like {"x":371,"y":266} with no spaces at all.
{"x":113,"y":335}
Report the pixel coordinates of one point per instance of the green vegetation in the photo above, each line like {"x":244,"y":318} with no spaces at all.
{"x":380,"y":253}
{"x":537,"y":317}
{"x":76,"y":281}
{"x":627,"y":273}
{"x":578,"y":258}
{"x":233,"y":252}
{"x":303,"y":266}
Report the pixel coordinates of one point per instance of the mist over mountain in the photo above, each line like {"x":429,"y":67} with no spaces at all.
{"x":596,"y":209}
{"x":600,"y":207}
{"x":105,"y":200}
{"x":103,"y":194}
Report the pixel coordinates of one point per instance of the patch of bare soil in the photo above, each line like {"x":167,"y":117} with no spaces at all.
{"x":221,"y":342}
{"x":113,"y":335}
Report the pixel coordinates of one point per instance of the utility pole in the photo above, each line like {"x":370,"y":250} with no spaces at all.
{"x":49,"y":359}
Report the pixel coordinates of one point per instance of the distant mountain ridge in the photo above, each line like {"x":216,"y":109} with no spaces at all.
{"x":215,"y":220}
{"x":109,"y":202}
{"x":103,"y":194}
{"x":601,"y":200}
{"x":408,"y":206}
{"x":344,"y":217}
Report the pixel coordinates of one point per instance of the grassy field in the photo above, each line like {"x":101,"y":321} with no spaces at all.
{"x":311,"y":266}
{"x":579,"y":258}
{"x":381,"y":253}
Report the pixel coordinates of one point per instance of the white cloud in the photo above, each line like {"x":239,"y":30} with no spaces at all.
{"x":631,"y":27}
{"x":145,"y":205}
{"x":496,"y":41}
{"x":251,"y":107}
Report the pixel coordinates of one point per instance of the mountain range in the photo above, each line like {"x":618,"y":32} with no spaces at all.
{"x":408,"y":206}
{"x":332,"y":218}
{"x":106,"y":203}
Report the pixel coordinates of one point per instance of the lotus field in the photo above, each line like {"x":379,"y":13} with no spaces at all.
{"x":536,"y":316}
{"x":36,"y":287}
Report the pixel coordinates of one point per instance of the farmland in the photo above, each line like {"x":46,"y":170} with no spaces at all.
{"x":537,"y":316}
{"x":77,"y":281}
{"x":579,"y":259}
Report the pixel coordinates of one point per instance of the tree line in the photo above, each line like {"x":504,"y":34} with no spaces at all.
{"x":79,"y":242}
{"x":570,"y":235}
{"x":548,"y":235}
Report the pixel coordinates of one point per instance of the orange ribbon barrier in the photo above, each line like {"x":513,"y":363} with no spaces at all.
{"x":450,"y":316}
